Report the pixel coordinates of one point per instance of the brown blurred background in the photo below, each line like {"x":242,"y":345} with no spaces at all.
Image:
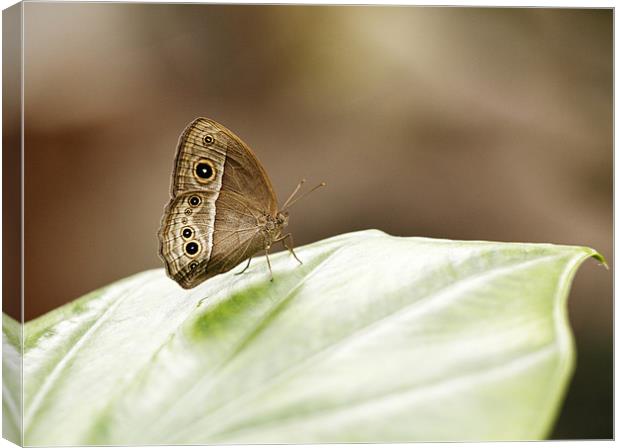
{"x":460,"y":123}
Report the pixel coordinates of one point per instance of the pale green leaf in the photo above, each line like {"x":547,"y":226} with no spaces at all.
{"x":373,"y":338}
{"x":11,"y":379}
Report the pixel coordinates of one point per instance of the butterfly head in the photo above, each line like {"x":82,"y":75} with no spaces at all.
{"x":282,"y":219}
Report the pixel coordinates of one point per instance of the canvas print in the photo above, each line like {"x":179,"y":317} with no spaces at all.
{"x":249,"y":224}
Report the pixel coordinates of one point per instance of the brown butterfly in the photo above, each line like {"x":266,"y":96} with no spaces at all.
{"x":223,"y":208}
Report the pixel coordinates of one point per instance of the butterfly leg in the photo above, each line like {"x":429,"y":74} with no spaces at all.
{"x":290,"y":248}
{"x":268,"y":262}
{"x":245,"y":268}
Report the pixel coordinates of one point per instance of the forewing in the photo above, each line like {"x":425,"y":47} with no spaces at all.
{"x":237,"y":168}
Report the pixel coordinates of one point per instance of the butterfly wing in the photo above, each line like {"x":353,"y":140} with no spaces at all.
{"x":186,"y":235}
{"x":239,"y":232}
{"x":207,"y":141}
{"x":197,"y":243}
{"x":221,"y":195}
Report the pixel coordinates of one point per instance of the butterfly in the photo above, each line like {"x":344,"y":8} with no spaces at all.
{"x":223,"y":208}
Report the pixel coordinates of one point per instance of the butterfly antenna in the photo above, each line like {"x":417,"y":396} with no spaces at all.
{"x":301,"y":182}
{"x":288,"y":205}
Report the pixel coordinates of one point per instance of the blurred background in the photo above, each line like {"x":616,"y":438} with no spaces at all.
{"x":460,"y":123}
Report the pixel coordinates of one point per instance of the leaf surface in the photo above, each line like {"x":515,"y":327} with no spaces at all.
{"x":373,"y":339}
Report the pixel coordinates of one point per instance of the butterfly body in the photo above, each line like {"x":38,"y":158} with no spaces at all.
{"x":223,"y":208}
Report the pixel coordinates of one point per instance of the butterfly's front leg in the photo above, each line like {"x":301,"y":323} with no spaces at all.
{"x":290,"y":248}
